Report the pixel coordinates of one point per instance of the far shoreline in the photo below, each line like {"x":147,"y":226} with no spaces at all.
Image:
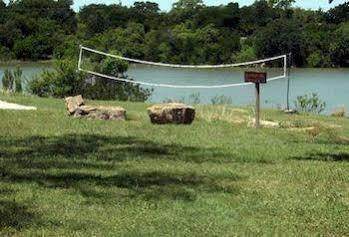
{"x":25,"y":62}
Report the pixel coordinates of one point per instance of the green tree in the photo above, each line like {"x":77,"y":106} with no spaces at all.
{"x":284,"y":4}
{"x":281,"y":37}
{"x":317,"y":38}
{"x":256,"y":16}
{"x":339,"y":48}
{"x":188,"y":4}
{"x":338,"y":14}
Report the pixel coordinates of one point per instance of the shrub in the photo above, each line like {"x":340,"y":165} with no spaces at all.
{"x":339,"y":112}
{"x":246,"y":54}
{"x":7,"y":80}
{"x":194,"y":98}
{"x":6,"y":54}
{"x":65,"y":81}
{"x":107,"y":89}
{"x":221,"y":100}
{"x":310,"y":104}
{"x":17,"y":75}
{"x":179,"y":100}
{"x":12,"y":80}
{"x":315,"y":59}
{"x":62,"y":81}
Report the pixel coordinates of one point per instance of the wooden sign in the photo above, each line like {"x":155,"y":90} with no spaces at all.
{"x":256,"y":77}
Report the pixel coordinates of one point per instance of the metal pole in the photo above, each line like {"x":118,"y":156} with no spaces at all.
{"x":257,"y":105}
{"x":288,"y":83}
{"x":80,"y":57}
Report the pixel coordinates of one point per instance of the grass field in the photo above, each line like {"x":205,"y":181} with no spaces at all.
{"x":61,"y":176}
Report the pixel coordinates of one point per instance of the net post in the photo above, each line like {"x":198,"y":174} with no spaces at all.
{"x":80,"y":57}
{"x":288,"y":83}
{"x":257,"y":86}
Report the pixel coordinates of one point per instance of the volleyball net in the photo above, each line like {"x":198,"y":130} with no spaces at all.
{"x":89,"y":56}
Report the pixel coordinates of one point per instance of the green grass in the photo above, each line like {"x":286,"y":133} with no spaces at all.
{"x":61,"y":176}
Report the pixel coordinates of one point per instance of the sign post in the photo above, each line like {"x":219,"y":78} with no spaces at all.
{"x":257,"y":78}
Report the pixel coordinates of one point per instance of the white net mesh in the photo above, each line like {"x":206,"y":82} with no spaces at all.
{"x":86,"y":53}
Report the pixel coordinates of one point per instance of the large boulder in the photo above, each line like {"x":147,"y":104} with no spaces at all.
{"x":173,"y":113}
{"x":73,"y":103}
{"x":77,"y":108}
{"x":101,"y":113}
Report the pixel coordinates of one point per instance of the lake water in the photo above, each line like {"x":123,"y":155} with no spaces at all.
{"x":332,"y":85}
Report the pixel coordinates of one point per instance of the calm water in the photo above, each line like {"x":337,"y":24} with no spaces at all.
{"x":331,"y":84}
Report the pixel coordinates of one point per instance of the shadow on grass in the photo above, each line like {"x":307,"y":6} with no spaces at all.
{"x":80,"y":161}
{"x":84,"y":150}
{"x":341,"y":157}
{"x":15,"y":215}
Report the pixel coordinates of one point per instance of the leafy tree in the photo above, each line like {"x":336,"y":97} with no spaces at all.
{"x":338,"y":14}
{"x":339,"y":48}
{"x":41,"y":44}
{"x":318,"y":38}
{"x":129,"y":41}
{"x":221,"y":16}
{"x":6,"y":54}
{"x":190,"y":33}
{"x":185,"y":10}
{"x":188,"y":4}
{"x":315,"y":59}
{"x":256,"y":16}
{"x":3,"y":12}
{"x":284,"y":4}
{"x":282,"y":36}
{"x":247,"y":53}
{"x":147,"y":14}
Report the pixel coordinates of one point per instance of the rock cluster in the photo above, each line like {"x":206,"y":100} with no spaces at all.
{"x":77,"y":108}
{"x":173,"y":113}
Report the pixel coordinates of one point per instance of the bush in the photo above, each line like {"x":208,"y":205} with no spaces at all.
{"x":12,"y":80}
{"x":7,"y":81}
{"x":65,"y":81}
{"x":246,"y":54}
{"x":194,"y":98}
{"x":315,"y":59}
{"x":108,"y":89}
{"x":6,"y":54}
{"x":339,"y":112}
{"x":17,"y":75}
{"x":221,"y":100}
{"x":310,"y":104}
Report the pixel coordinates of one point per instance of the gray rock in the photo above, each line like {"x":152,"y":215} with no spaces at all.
{"x":73,"y":103}
{"x":77,"y":109}
{"x":173,"y":113}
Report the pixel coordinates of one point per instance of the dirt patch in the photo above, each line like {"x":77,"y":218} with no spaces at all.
{"x":302,"y":129}
{"x":12,"y":106}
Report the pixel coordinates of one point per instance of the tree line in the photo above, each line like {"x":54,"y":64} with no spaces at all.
{"x":190,"y":33}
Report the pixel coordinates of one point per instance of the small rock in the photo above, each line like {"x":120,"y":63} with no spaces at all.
{"x":172,"y":113}
{"x":73,"y":103}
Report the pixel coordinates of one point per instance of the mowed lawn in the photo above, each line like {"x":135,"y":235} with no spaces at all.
{"x":61,"y":176}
